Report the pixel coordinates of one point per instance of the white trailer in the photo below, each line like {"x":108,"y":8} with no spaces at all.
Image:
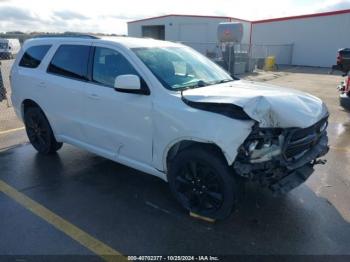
{"x":9,"y":48}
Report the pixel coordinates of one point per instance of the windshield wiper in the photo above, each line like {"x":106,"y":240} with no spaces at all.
{"x":220,"y":82}
{"x":200,"y":83}
{"x":224,"y":81}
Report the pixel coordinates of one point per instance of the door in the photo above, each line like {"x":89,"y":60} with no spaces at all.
{"x":63,"y":89}
{"x":117,"y":125}
{"x":154,"y":31}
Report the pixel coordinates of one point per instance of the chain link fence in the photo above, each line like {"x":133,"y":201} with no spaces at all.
{"x":5,"y":67}
{"x":11,"y":129}
{"x":282,"y":53}
{"x":247,"y":57}
{"x":2,"y":87}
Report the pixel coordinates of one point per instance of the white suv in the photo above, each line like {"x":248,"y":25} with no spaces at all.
{"x":164,"y":109}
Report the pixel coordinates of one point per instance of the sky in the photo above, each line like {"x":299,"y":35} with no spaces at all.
{"x":105,"y":16}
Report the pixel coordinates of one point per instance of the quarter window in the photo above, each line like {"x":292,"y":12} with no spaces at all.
{"x":33,"y":56}
{"x":71,"y":61}
{"x":108,"y":64}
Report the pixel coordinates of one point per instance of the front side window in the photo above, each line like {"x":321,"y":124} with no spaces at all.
{"x":108,"y":64}
{"x":178,"y":68}
{"x":33,"y":56}
{"x":71,"y":61}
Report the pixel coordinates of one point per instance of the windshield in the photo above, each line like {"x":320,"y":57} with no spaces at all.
{"x":179,"y":68}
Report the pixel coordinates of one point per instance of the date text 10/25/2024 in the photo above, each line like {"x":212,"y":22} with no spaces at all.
{"x":173,"y":258}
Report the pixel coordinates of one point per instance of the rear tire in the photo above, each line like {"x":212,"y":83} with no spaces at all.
{"x":39,"y":131}
{"x":203,"y":183}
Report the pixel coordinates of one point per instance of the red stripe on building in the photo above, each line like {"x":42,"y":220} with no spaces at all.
{"x":346,"y":11}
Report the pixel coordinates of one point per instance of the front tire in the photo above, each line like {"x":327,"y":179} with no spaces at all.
{"x":203,"y":183}
{"x":39,"y":131}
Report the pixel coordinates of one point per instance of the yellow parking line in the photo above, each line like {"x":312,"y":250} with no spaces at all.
{"x":11,"y":130}
{"x":343,"y":149}
{"x":88,"y":241}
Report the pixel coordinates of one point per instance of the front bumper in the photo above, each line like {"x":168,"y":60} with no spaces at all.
{"x":300,"y":171}
{"x":282,"y":174}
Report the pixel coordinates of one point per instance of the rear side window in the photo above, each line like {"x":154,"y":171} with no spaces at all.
{"x":71,"y":61}
{"x":33,"y":55}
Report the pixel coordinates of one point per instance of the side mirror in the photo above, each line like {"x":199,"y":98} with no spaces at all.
{"x":127,"y":83}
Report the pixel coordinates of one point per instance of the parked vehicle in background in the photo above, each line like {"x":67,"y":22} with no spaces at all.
{"x":9,"y":48}
{"x":343,"y":60}
{"x":343,"y":65}
{"x":167,"y":110}
{"x":344,"y":88}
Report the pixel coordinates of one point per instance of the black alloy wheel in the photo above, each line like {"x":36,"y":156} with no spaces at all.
{"x":199,"y":188}
{"x":203,"y":183}
{"x":39,"y":131}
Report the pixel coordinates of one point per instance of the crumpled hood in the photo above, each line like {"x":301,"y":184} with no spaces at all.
{"x":271,"y":106}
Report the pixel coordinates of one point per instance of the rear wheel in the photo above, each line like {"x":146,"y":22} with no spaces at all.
{"x":39,"y":131}
{"x":202,"y":183}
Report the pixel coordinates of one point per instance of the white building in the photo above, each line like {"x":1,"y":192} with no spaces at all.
{"x":199,"y":32}
{"x":310,"y":40}
{"x":315,"y":38}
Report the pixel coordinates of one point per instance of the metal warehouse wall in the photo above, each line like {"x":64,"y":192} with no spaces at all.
{"x":187,"y":29}
{"x":316,"y":39}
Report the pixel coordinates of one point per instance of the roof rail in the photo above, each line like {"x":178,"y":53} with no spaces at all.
{"x":85,"y":36}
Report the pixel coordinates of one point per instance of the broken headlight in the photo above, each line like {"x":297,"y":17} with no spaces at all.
{"x":262,"y":145}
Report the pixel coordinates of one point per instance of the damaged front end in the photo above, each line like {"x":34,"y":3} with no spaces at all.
{"x":288,"y":137}
{"x":282,"y":158}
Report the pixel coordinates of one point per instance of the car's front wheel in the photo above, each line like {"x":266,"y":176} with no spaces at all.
{"x":202,"y":182}
{"x":39,"y":131}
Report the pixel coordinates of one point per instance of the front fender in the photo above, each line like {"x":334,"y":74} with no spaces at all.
{"x":226,"y":139}
{"x":175,"y":121}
